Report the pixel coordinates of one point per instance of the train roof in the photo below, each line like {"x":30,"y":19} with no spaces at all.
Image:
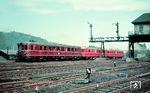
{"x":113,"y":50}
{"x":89,"y":48}
{"x":49,"y":44}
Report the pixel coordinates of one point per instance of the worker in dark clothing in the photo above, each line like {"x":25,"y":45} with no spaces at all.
{"x":88,"y":72}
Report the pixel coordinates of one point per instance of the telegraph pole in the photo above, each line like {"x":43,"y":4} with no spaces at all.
{"x":117,"y":25}
{"x":90,"y":25}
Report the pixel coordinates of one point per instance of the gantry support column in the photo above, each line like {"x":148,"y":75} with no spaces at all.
{"x":103,"y":48}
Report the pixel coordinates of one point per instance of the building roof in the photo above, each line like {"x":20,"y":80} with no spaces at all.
{"x":143,"y":19}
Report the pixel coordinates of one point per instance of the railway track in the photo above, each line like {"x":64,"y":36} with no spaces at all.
{"x":26,"y":71}
{"x":39,"y":82}
{"x":20,"y":71}
{"x":56,"y":80}
{"x":23,"y":66}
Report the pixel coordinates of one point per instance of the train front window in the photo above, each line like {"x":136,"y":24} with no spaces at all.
{"x":22,"y":47}
{"x":19,"y":47}
{"x":25,"y":47}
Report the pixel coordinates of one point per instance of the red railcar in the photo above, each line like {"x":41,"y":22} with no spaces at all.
{"x":37,"y":51}
{"x":112,"y":53}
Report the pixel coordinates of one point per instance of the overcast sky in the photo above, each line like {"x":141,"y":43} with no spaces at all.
{"x":65,"y":21}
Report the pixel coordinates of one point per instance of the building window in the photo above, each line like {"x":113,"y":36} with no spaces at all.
{"x":141,"y":29}
{"x":149,"y":30}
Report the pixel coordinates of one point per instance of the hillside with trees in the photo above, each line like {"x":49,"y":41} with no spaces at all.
{"x":9,"y":40}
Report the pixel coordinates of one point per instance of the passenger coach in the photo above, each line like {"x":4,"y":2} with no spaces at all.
{"x":37,"y":51}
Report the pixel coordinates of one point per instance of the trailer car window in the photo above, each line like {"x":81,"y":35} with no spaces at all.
{"x":62,"y":49}
{"x":50,"y":48}
{"x":58,"y":49}
{"x":75,"y":49}
{"x":72,"y":49}
{"x":68,"y":49}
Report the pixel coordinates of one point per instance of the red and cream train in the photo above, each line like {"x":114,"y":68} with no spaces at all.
{"x":41,"y":52}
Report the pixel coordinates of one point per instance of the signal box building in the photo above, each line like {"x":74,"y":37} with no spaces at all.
{"x":141,"y":32}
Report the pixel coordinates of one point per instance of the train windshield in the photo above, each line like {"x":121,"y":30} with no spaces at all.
{"x":19,"y":46}
{"x":22,"y":47}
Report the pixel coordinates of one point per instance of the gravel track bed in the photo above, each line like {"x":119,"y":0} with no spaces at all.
{"x":77,"y":68}
{"x":52,"y":69}
{"x":96,"y":79}
{"x":27,"y":70}
{"x":41,"y":70}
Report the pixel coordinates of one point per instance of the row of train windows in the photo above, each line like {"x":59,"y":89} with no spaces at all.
{"x":89,"y":50}
{"x":111,"y":52}
{"x":24,"y":47}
